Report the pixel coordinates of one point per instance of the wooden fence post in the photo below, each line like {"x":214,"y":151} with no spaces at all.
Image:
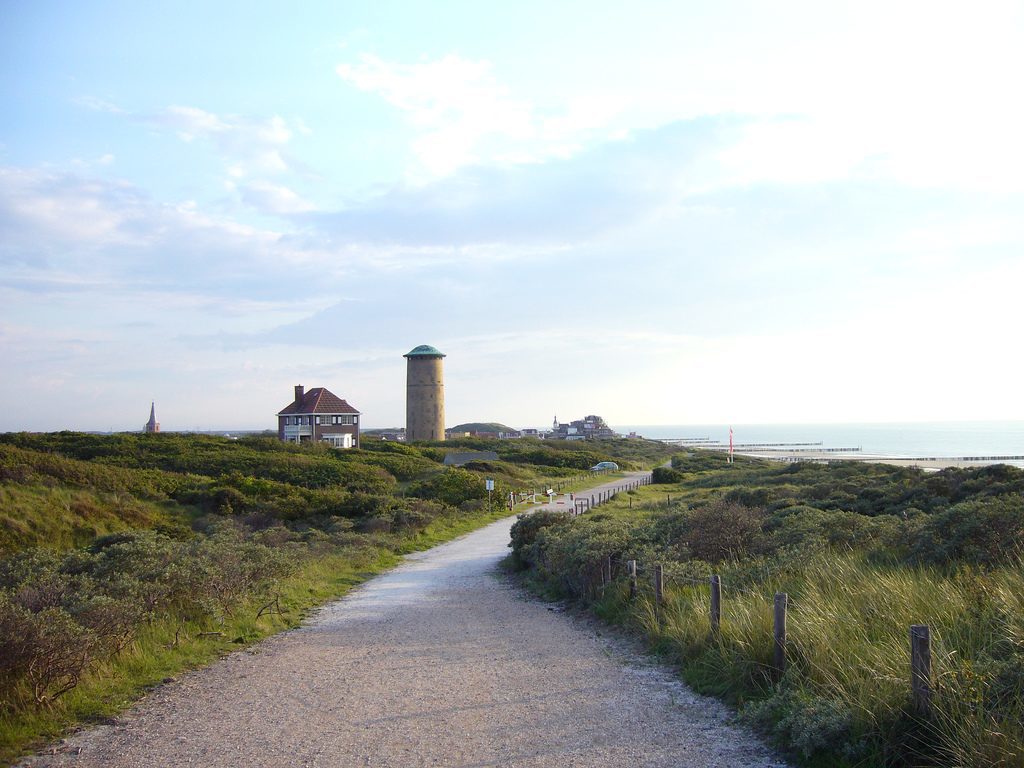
{"x":608,"y":569}
{"x":921,"y":668}
{"x":632,"y":580}
{"x":659,"y":584}
{"x":716,"y":604}
{"x":781,"y":602}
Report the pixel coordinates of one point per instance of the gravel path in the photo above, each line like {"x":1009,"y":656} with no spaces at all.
{"x":440,"y":662}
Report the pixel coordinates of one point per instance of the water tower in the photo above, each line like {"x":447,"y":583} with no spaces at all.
{"x":424,"y":398}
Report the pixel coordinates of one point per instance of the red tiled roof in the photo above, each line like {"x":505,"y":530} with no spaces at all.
{"x":318,"y":400}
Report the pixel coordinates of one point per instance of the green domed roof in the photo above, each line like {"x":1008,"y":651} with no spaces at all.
{"x":424,"y":350}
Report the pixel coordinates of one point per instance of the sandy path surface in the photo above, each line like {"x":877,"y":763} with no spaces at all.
{"x":440,"y":662}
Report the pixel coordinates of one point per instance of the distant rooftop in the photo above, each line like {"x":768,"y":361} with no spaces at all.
{"x":318,"y":400}
{"x":424,"y":350}
{"x":458,"y":459}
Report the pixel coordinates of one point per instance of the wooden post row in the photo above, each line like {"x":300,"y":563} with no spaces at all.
{"x":921,"y":668}
{"x":781,"y":602}
{"x":716,"y":604}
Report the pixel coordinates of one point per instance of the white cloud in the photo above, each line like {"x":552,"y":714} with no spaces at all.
{"x":41,"y":212}
{"x":456,"y":104}
{"x":250,"y":148}
{"x":274,"y":198}
{"x":464,"y":115}
{"x":248,"y":145}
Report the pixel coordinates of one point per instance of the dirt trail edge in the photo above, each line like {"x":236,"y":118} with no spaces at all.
{"x":440,"y":662}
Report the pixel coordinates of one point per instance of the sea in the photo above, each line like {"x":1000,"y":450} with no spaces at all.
{"x":952,"y":439}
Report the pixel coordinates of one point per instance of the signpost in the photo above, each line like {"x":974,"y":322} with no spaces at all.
{"x":490,"y":487}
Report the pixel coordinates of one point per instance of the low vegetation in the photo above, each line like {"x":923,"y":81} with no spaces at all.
{"x":127,"y":558}
{"x":863,"y":551}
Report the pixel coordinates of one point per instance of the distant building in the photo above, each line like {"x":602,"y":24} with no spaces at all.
{"x":588,"y":428}
{"x":458,"y":459}
{"x":319,"y":415}
{"x":152,"y":426}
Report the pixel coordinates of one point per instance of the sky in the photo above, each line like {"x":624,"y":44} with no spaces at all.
{"x":658,"y":212}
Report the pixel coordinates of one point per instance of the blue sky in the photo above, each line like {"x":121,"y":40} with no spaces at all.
{"x":670,"y":212}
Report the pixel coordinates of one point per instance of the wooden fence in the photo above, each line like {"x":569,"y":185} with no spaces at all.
{"x":920,"y":657}
{"x":584,"y":502}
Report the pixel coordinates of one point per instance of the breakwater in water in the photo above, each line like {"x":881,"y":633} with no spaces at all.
{"x":921,"y":442}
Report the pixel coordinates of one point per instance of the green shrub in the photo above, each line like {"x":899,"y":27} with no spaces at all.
{"x":453,"y":486}
{"x":43,"y":655}
{"x":810,"y":725}
{"x":718,"y":531}
{"x":985,"y":531}
{"x":665,"y":475}
{"x":524,"y":534}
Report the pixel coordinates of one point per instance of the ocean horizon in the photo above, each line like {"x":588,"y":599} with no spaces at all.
{"x":950,"y":439}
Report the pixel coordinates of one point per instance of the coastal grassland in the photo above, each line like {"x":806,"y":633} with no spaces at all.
{"x":64,"y":518}
{"x":126,"y":559}
{"x":863,"y":551}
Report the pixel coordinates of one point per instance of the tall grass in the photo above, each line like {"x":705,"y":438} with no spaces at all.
{"x":846,"y":692}
{"x":62,"y":518}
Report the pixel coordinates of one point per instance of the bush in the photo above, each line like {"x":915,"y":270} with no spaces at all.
{"x":453,"y":486}
{"x":665,"y":475}
{"x":718,"y":531}
{"x":42,"y":655}
{"x":810,"y":725}
{"x":985,"y":531}
{"x":524,"y":534}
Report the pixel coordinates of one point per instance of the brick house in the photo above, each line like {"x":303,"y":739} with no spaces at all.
{"x":319,"y":415}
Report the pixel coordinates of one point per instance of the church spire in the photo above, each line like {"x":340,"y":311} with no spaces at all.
{"x":152,"y":425}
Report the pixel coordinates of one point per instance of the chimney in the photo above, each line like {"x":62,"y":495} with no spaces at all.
{"x":299,"y":392}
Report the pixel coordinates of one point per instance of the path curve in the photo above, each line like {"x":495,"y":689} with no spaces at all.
{"x":439,"y":662}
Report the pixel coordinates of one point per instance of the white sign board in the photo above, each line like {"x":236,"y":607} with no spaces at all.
{"x":490,"y":484}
